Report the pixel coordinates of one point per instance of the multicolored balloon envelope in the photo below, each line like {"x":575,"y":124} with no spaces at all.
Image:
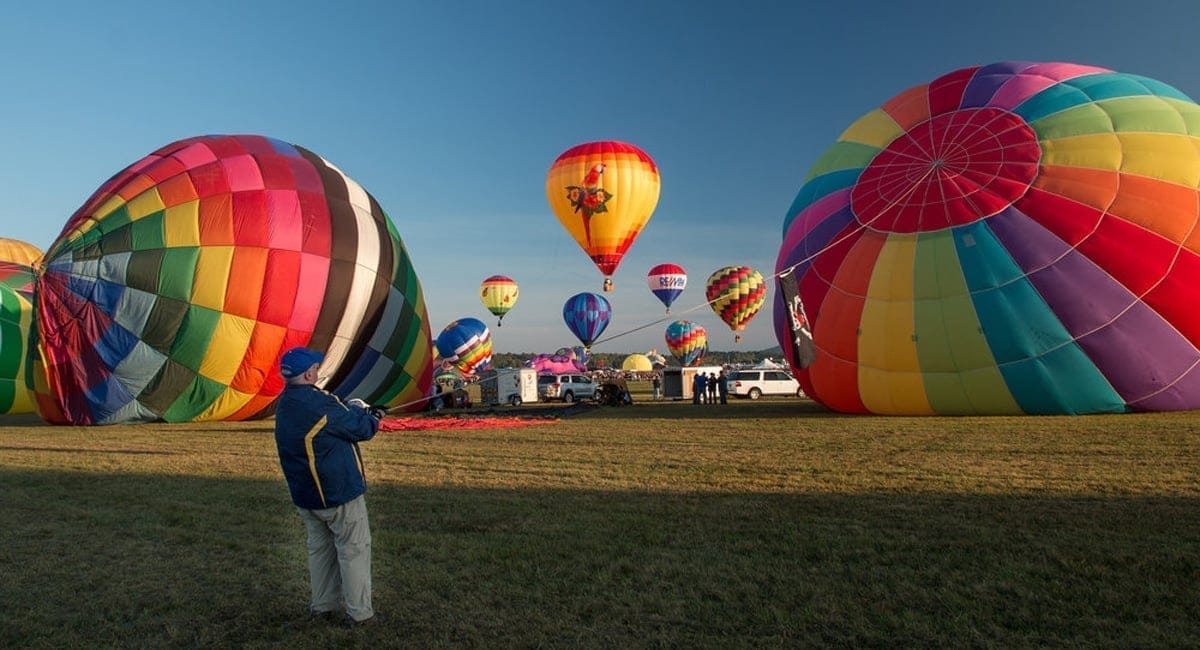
{"x":467,"y":344}
{"x":603,"y":193}
{"x":687,"y":341}
{"x":498,"y":294}
{"x":173,"y":291}
{"x":666,"y":282}
{"x":586,"y":315}
{"x":1006,"y":239}
{"x":17,"y":259}
{"x":736,"y":293}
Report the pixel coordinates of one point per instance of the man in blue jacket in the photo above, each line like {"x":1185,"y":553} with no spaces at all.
{"x":317,"y":436}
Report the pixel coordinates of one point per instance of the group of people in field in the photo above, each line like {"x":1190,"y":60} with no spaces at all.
{"x":707,"y":389}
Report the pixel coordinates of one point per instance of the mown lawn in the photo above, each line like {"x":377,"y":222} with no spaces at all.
{"x":757,"y":524}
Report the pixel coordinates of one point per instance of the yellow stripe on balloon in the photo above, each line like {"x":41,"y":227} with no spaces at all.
{"x":145,"y":204}
{"x":230,"y":339}
{"x":181,"y":225}
{"x":420,"y":357}
{"x":114,"y":203}
{"x":876,"y":129}
{"x":212,"y":274}
{"x":1167,"y":157}
{"x":225,"y":405}
{"x":887,"y":334}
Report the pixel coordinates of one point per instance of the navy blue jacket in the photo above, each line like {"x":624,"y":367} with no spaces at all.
{"x":317,"y":436}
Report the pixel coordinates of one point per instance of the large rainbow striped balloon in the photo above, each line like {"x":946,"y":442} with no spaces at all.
{"x":1012,"y":238}
{"x":172,"y":293}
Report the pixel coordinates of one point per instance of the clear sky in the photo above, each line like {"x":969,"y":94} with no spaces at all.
{"x":451,"y":113}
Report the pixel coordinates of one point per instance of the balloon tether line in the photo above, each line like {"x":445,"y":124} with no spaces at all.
{"x":861,"y":226}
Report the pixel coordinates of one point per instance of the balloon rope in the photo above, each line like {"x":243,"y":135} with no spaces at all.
{"x":861,"y":226}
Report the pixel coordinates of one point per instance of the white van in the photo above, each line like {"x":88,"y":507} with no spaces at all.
{"x":508,"y":386}
{"x":756,"y":383}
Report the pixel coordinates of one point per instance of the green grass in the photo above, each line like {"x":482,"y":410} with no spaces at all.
{"x":757,"y":524}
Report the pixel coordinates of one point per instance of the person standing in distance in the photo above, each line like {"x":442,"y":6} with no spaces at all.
{"x":317,"y":437}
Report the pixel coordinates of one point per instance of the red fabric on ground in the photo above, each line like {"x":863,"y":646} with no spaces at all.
{"x":426,"y":424}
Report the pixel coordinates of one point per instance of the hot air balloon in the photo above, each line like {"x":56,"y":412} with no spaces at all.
{"x":687,"y":341}
{"x":1006,"y":239}
{"x":498,"y":294}
{"x":586,"y":315}
{"x":736,"y":293}
{"x":173,"y":291}
{"x":666,"y":281}
{"x":17,"y":259}
{"x":637,"y":363}
{"x":603,"y":193}
{"x":467,"y":344}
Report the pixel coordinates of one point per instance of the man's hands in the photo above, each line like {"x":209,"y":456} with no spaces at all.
{"x":377,"y":412}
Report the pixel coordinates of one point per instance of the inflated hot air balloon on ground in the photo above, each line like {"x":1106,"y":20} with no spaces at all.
{"x":586,"y":315}
{"x":666,"y":282}
{"x":637,"y":363}
{"x":173,"y":291}
{"x":736,"y":293}
{"x":687,"y":341}
{"x":1006,"y":239}
{"x":498,"y":294}
{"x":467,"y":344}
{"x":603,"y":193}
{"x":17,"y":259}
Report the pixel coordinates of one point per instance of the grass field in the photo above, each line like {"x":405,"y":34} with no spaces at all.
{"x":757,"y":524}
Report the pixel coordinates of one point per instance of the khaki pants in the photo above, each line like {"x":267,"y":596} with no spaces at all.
{"x":339,"y":558}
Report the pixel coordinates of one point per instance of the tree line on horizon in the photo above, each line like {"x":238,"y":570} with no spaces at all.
{"x":599,"y":360}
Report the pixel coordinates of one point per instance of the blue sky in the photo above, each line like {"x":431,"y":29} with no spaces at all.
{"x":450,"y":113}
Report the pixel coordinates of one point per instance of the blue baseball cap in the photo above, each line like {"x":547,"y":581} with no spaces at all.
{"x":297,"y":360}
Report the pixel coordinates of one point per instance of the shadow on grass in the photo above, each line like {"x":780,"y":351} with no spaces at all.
{"x":94,"y":559}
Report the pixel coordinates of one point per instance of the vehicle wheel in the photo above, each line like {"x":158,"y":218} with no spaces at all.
{"x":754,"y":393}
{"x":568,"y":397}
{"x":515,"y":400}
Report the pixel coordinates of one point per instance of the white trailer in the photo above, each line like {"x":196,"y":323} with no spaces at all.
{"x":677,"y":382}
{"x":513,"y":386}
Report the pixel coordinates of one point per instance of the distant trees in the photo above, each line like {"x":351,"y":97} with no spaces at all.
{"x":614,"y":359}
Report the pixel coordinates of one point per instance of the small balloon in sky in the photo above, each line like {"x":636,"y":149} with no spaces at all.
{"x":586,"y":315}
{"x":736,"y":293}
{"x":666,"y":281}
{"x":687,"y":341}
{"x":499,"y":294}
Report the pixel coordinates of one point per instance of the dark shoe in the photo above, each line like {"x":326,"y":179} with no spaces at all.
{"x":348,"y":622}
